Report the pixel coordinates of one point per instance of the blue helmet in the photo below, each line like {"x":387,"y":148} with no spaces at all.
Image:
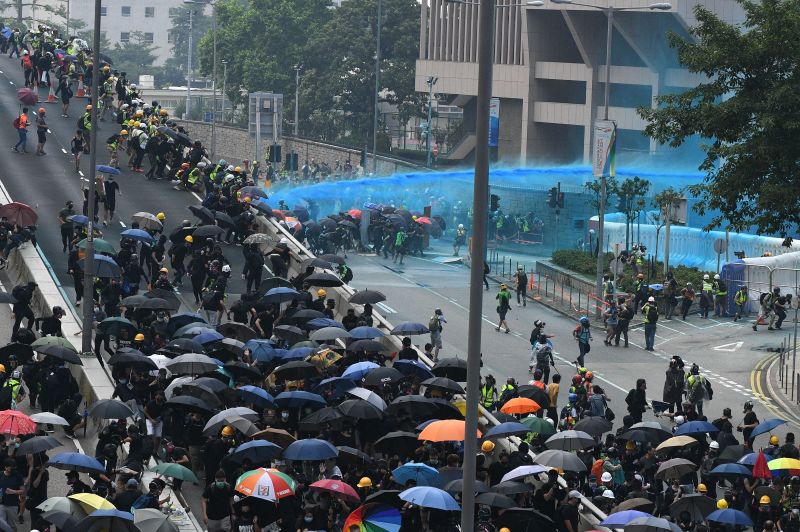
{"x":585,"y":320}
{"x":573,"y":397}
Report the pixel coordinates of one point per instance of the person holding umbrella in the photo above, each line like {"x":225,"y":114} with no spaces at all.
{"x":41,"y":131}
{"x":21,"y":125}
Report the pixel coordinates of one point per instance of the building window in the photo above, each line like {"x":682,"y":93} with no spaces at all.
{"x":148,"y":38}
{"x":102,"y":35}
{"x":149,"y":12}
{"x":125,"y":37}
{"x":126,"y":11}
{"x":170,"y":37}
{"x":103,"y":11}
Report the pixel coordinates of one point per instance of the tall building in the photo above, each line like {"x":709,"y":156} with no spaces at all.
{"x":549,"y":71}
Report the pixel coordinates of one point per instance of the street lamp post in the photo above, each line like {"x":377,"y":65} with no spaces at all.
{"x":297,"y":70}
{"x":601,"y":210}
{"x":189,"y":63}
{"x":214,"y":82}
{"x":224,"y":86}
{"x":378,"y":25}
{"x":431,"y":82}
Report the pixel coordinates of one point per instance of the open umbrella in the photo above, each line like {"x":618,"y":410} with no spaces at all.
{"x":366,"y":333}
{"x":637,"y":503}
{"x":421,"y":474}
{"x":207,"y":231}
{"x":524,"y":471}
{"x":62,"y":520}
{"x":382,"y":375}
{"x":67,"y":354}
{"x":730,"y":517}
{"x":236,"y":331}
{"x":360,"y":409}
{"x":570,"y":440}
{"x":560,"y":460}
{"x":202,"y":213}
{"x":430,"y":497}
{"x":412,"y":368}
{"x":110,"y":409}
{"x":138,"y":234}
{"x":19,"y":213}
{"x":258,"y":396}
{"x":452,"y":368}
{"x":147,"y":220}
{"x":14,"y":422}
{"x":356,"y":372}
{"x":675,"y":469}
{"x":257,"y":451}
{"x":495,"y":500}
{"x":295,"y":370}
{"x":651,"y":524}
{"x":27,"y":96}
{"x":46,"y":341}
{"x":457,"y":486}
{"x":115,"y":325}
{"x":676,"y":442}
{"x":695,"y":427}
{"x":310,"y":449}
{"x":111,"y":520}
{"x":76,"y":462}
{"x":511,"y":487}
{"x":49,"y":418}
{"x":410,"y":328}
{"x":132,"y":359}
{"x":443,"y":383}
{"x":509,"y":428}
{"x":190,"y":403}
{"x":731,"y":470}
{"x":153,"y":520}
{"x":540,"y":425}
{"x":768,"y":425}
{"x":324,"y":279}
{"x":368,"y":396}
{"x":445,"y":430}
{"x":374,"y":517}
{"x":779,"y":464}
{"x":277,"y":436}
{"x":350,"y":456}
{"x":299,"y":398}
{"x":281,"y":294}
{"x":106,"y":267}
{"x":397,"y":442}
{"x":621,"y":519}
{"x":192,"y":364}
{"x":362,"y":297}
{"x":329,"y":333}
{"x":175,"y":471}
{"x":520,"y":405}
{"x":337,"y":489}
{"x":696,"y":504}
{"x":38,"y":444}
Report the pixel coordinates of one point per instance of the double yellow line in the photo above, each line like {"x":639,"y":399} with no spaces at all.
{"x":761,"y":370}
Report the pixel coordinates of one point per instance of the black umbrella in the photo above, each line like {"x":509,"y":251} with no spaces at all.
{"x":496,"y":500}
{"x":306,"y":315}
{"x":110,"y":409}
{"x":642,"y":436}
{"x":363,"y":297}
{"x":329,"y":415}
{"x":457,"y":486}
{"x":183,"y":138}
{"x":382,"y":375}
{"x":594,"y":425}
{"x":226,"y":349}
{"x":335,"y":259}
{"x":203,"y":214}
{"x":62,"y":520}
{"x":316,"y":262}
{"x":696,"y":504}
{"x":420,"y":407}
{"x":23,"y":352}
{"x":241,"y":370}
{"x":184,"y":345}
{"x":295,"y":370}
{"x":443,"y":383}
{"x":731,"y":453}
{"x":132,"y":359}
{"x":534,"y":393}
{"x":512,"y":487}
{"x":360,"y":409}
{"x":398,"y":442}
{"x":274,"y":282}
{"x":410,"y":328}
{"x":238,"y":331}
{"x":38,"y":444}
{"x":179,"y":235}
{"x":324,"y":279}
{"x":525,"y":520}
{"x":61,"y":353}
{"x":207,"y":231}
{"x":368,"y":346}
{"x":289,"y":333}
{"x":157,"y":303}
{"x":388,"y":497}
{"x":211,"y":383}
{"x":452,"y":368}
{"x":223,"y":219}
{"x":190,"y":404}
{"x":133,"y":301}
{"x":204,"y":393}
{"x":351,"y":457}
{"x":167,"y":295}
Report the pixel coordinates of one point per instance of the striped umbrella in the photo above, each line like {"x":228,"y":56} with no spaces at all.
{"x":374,"y":517}
{"x":267,"y":484}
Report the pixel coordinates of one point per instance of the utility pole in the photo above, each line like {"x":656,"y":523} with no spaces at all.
{"x":296,"y":97}
{"x":88,"y":263}
{"x":214,"y":83}
{"x":377,"y":89}
{"x":431,"y":82}
{"x":189,"y":64}
{"x":224,"y":86}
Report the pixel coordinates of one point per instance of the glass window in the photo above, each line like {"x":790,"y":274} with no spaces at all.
{"x":125,"y":37}
{"x":126,"y":11}
{"x":149,"y":12}
{"x":103,"y":11}
{"x":148,"y":38}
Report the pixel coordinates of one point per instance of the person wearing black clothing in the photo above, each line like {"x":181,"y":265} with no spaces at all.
{"x":76,"y":485}
{"x":133,"y":274}
{"x":568,"y":516}
{"x":154,"y":412}
{"x":67,"y":228}
{"x":110,"y":189}
{"x":177,"y":254}
{"x":350,"y":320}
{"x":37,"y":490}
{"x":637,"y":400}
{"x":23,"y":293}
{"x":111,"y":296}
{"x":408,"y":352}
{"x":125,"y":499}
{"x":265,"y":321}
{"x":197,"y":274}
{"x":218,"y":504}
{"x":74,"y":269}
{"x":253,"y":267}
{"x":51,"y":326}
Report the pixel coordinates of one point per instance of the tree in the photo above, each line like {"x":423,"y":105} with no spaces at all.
{"x":748,"y":111}
{"x":631,"y":194}
{"x":667,"y":202}
{"x":593,"y":188}
{"x":134,"y":57}
{"x":174,"y":69}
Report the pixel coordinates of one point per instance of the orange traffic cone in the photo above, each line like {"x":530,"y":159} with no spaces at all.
{"x":81,"y":92}
{"x":51,"y":97}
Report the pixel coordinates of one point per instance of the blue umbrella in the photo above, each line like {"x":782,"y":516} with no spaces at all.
{"x":748,"y":459}
{"x":732,"y":469}
{"x":768,"y":425}
{"x":106,"y":267}
{"x":298,"y":398}
{"x":297,"y":353}
{"x":410,"y":327}
{"x":310,"y":449}
{"x":321,"y":323}
{"x":76,"y":462}
{"x":107,"y":169}
{"x":413,"y":368}
{"x":208,"y":337}
{"x":730,"y":517}
{"x":509,"y":428}
{"x":422,"y":474}
{"x":338,"y":384}
{"x":258,"y":451}
{"x":695,"y":427}
{"x":185,"y":318}
{"x":78,"y":219}
{"x":258,"y":396}
{"x":430,"y":497}
{"x":281,"y":294}
{"x":138,"y":234}
{"x":620,"y":519}
{"x":357,"y":371}
{"x":261,"y":350}
{"x":366,"y":333}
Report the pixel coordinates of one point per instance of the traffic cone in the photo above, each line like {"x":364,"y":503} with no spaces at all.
{"x":51,"y":97}
{"x":81,"y":93}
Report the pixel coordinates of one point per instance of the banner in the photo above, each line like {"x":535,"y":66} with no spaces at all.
{"x":604,"y":149}
{"x":494,"y":121}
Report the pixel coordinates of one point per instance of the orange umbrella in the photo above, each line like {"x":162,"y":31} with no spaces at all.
{"x":445,"y":430}
{"x":520,"y":405}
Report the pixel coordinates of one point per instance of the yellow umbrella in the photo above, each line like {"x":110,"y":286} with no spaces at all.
{"x":91,"y":502}
{"x":784,"y":463}
{"x":324,"y":359}
{"x":676,"y":442}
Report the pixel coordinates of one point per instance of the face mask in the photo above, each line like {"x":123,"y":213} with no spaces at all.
{"x":219,"y":484}
{"x":285,"y":416}
{"x":308,"y":519}
{"x":123,"y":381}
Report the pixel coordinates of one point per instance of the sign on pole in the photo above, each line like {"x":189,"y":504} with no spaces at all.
{"x":494,"y":121}
{"x":604,"y":149}
{"x":265,"y":118}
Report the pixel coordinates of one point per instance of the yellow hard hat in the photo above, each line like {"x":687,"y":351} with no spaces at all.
{"x":630,"y":445}
{"x":188,"y":238}
{"x":89,"y":107}
{"x":2,"y":368}
{"x":764,"y":500}
{"x":773,"y":440}
{"x":487,"y":446}
{"x":702,"y":488}
{"x":161,"y":216}
{"x":503,"y":286}
{"x":163,"y":112}
{"x":164,"y":270}
{"x":106,"y":68}
{"x":237,"y":169}
{"x":505,"y":529}
{"x":123,"y":132}
{"x":228,"y":431}
{"x":137,"y":124}
{"x":248,"y":199}
{"x":138,"y":338}
{"x":322,"y":293}
{"x":722,"y":504}
{"x":139,"y":113}
{"x":365,"y":482}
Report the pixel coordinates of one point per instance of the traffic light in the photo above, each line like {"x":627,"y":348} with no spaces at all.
{"x":560,"y":200}
{"x":494,"y":203}
{"x":552,"y":198}
{"x":275,"y":153}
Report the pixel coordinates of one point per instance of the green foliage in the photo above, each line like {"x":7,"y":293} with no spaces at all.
{"x":578,"y":261}
{"x":749,"y":111}
{"x":134,"y":57}
{"x":593,"y":188}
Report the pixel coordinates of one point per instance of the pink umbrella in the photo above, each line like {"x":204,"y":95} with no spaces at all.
{"x":27,"y":96}
{"x":337,"y":488}
{"x":15,"y":423}
{"x":19,"y":213}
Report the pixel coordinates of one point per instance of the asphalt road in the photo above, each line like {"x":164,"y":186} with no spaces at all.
{"x":47,"y":182}
{"x":727,"y":352}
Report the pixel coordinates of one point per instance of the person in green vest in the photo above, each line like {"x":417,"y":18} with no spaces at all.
{"x":503,"y":306}
{"x":740,"y":298}
{"x":400,"y":244}
{"x":489,"y":394}
{"x":706,"y":296}
{"x":650,"y":316}
{"x":720,"y":294}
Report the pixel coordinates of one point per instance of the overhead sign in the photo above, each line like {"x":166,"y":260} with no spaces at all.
{"x":265,"y":112}
{"x":494,"y":121}
{"x":604,"y":148}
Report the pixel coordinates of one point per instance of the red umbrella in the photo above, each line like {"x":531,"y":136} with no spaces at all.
{"x":15,"y":423}
{"x":424,"y":220}
{"x":27,"y":96}
{"x":19,"y":213}
{"x":337,"y":488}
{"x":355,"y":213}
{"x":760,"y":468}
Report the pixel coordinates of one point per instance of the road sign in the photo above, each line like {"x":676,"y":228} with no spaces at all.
{"x":720,"y":246}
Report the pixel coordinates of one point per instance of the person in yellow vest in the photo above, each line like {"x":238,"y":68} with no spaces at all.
{"x":489,"y":394}
{"x":706,"y":296}
{"x":720,"y":295}
{"x":650,"y":315}
{"x":741,"y":298}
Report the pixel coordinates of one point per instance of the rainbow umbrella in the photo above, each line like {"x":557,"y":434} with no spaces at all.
{"x":267,"y":484}
{"x":374,"y":517}
{"x":784,"y":464}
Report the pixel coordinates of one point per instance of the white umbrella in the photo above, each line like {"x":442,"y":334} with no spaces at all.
{"x":180,"y":381}
{"x":192,"y":364}
{"x":161,"y":362}
{"x":49,"y":418}
{"x":369,"y":396}
{"x":147,"y":220}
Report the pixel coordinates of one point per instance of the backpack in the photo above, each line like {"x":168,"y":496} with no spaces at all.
{"x":765,"y":299}
{"x":434,"y":325}
{"x":26,"y":62}
{"x":16,"y":122}
{"x":542,"y":356}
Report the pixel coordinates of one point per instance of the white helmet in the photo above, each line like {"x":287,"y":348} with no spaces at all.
{"x":226,"y":268}
{"x":705,"y":277}
{"x":228,"y":178}
{"x":201,"y":164}
{"x":461,"y":226}
{"x":716,"y":277}
{"x":714,"y":445}
{"x":230,"y":168}
{"x":679,"y":420}
{"x":605,"y":477}
{"x":608,"y":494}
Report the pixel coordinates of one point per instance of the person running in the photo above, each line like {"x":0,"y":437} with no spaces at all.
{"x":521,"y":280}
{"x":740,"y":298}
{"x":110,"y":191}
{"x":767,"y":301}
{"x":76,"y":147}
{"x":503,"y":306}
{"x":583,"y":335}
{"x":687,"y":298}
{"x":41,"y":131}
{"x":21,"y":125}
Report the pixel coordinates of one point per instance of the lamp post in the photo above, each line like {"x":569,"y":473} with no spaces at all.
{"x":297,"y":70}
{"x":189,"y":64}
{"x":609,"y":11}
{"x":378,"y":25}
{"x":88,"y":263}
{"x":224,"y":86}
{"x":431,"y":81}
{"x":214,"y":82}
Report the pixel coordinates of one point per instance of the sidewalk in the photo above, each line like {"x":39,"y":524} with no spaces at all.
{"x":776,"y":378}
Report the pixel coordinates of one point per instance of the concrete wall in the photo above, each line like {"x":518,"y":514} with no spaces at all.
{"x":235,"y":145}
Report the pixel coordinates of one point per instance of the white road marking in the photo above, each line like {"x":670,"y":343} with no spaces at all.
{"x":11,"y":82}
{"x":80,"y":173}
{"x":196,"y":196}
{"x":729,"y":348}
{"x":386,"y":308}
{"x":122,"y":224}
{"x":63,"y":150}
